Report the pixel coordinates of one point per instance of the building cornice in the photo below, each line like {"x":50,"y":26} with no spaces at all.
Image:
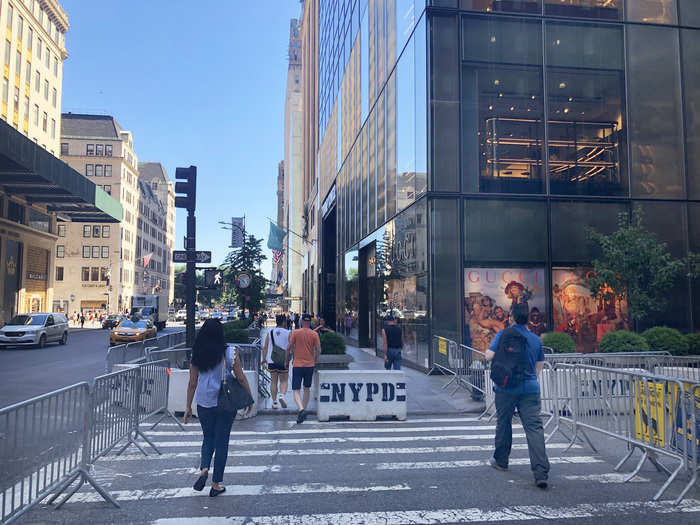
{"x":56,"y":13}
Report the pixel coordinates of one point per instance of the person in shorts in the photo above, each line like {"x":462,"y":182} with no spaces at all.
{"x":278,"y":336}
{"x":305,"y":347}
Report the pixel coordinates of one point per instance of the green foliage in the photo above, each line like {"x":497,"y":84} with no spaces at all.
{"x":663,"y":338}
{"x":238,"y":324}
{"x":623,"y":341}
{"x":560,"y":342}
{"x":235,"y":335}
{"x":693,"y":341}
{"x":246,"y":259}
{"x":634,"y":265}
{"x":332,"y":343}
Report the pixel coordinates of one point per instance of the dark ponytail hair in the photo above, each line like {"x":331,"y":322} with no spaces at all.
{"x":209,"y":347}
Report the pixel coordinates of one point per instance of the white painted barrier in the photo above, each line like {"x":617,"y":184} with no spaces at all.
{"x":361,"y":395}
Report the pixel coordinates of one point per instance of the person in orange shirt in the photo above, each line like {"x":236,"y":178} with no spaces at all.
{"x":305,"y":346}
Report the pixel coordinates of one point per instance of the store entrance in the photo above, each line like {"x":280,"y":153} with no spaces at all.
{"x":328,"y":246}
{"x":368,"y":296}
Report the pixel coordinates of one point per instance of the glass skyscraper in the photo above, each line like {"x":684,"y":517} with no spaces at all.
{"x":466,"y":145}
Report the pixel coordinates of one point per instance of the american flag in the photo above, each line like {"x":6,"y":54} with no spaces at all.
{"x":276,"y":256}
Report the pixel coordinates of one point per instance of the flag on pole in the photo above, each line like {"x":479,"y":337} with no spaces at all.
{"x":276,"y":256}
{"x":274,"y":240}
{"x":147,"y":259}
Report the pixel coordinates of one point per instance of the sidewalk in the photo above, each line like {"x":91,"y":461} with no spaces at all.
{"x":425,"y":393}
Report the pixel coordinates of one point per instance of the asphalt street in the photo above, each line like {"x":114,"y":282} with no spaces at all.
{"x":423,"y":471}
{"x":29,"y":372}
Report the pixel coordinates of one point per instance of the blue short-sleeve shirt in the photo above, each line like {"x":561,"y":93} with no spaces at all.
{"x":533,"y":346}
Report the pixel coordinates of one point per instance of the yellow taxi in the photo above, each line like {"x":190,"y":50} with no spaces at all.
{"x":129,"y":330}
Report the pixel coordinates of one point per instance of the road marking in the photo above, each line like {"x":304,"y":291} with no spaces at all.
{"x":233,"y":490}
{"x":607,"y":478}
{"x":479,"y":463}
{"x":435,"y":517}
{"x":307,"y":441}
{"x":336,"y":452}
{"x":241,"y":469}
{"x":336,"y":431}
{"x":292,"y":424}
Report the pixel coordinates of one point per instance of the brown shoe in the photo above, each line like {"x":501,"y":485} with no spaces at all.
{"x":282,"y":402}
{"x":495,"y":465}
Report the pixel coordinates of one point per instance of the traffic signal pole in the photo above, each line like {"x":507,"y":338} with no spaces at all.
{"x":191,"y":288}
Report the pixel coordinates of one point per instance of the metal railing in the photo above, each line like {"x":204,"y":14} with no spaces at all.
{"x":137,"y":351}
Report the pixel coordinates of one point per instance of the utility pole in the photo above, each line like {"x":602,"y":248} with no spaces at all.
{"x":188,"y":201}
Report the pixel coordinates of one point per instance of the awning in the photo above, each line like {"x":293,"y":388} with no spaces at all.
{"x":29,"y":171}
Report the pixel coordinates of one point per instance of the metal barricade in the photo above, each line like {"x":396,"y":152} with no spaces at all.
{"x":249,"y":355}
{"x":686,"y":368}
{"x":115,"y":356}
{"x":154,"y":388}
{"x":43,"y":450}
{"x":439,"y":355}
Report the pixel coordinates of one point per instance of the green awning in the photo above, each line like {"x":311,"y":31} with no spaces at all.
{"x":29,"y":171}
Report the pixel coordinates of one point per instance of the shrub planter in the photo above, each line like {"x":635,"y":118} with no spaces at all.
{"x":334,"y":361}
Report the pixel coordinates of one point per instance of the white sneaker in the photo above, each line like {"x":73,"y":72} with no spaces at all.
{"x":283,"y":402}
{"x":275,"y":405}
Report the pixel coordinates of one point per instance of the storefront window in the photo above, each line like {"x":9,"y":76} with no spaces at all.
{"x":489,"y":296}
{"x":351,"y":295}
{"x":655,"y":110}
{"x":15,"y":211}
{"x":502,"y":106}
{"x":605,"y":9}
{"x":651,"y":11}
{"x":511,"y":6}
{"x":585,"y":85}
{"x":584,"y":317}
{"x":694,"y":236}
{"x":668,"y":221}
{"x":499,"y":230}
{"x":38,"y":220}
{"x":690,"y":43}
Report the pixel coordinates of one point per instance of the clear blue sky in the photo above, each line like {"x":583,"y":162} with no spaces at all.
{"x":199,"y":83}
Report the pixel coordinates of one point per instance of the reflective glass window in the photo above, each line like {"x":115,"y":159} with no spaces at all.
{"x":690,"y":43}
{"x":570,"y":220}
{"x":381,"y":159}
{"x":391,"y":146}
{"x":446,"y":269}
{"x":498,"y":230}
{"x":694,"y":236}
{"x":364,"y":182}
{"x":364,"y":66}
{"x":421,"y":105}
{"x":655,"y":112}
{"x":510,"y":6}
{"x":605,"y":9}
{"x":651,"y":11}
{"x":406,"y":15}
{"x":586,"y":122}
{"x":372,"y":171}
{"x":405,"y":127}
{"x":689,"y":12}
{"x":502,"y":106}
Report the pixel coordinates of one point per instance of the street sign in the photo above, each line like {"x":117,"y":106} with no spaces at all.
{"x":180,"y":256}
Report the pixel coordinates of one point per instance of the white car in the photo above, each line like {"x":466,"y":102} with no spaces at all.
{"x":35,"y":329}
{"x":181,"y":315}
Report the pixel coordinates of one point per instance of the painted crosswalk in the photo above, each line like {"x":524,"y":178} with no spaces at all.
{"x":423,"y":471}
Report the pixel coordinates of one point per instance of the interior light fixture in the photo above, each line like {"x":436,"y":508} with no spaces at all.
{"x":562,"y":85}
{"x":493,"y":38}
{"x":496,"y":82}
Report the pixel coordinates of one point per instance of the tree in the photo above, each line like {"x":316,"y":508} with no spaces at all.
{"x":636,"y":267}
{"x":180,"y":288}
{"x":246,"y":259}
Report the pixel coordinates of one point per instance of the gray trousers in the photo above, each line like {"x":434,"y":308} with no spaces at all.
{"x":528,"y":406}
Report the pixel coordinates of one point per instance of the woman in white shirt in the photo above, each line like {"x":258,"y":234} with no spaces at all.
{"x":279,"y":337}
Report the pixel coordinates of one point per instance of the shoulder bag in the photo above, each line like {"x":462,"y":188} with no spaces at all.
{"x":232,"y":395}
{"x":279,"y":355}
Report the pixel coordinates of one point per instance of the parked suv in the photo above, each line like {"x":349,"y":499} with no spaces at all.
{"x":35,"y":329}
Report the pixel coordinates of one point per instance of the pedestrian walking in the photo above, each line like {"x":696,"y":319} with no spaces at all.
{"x":211,"y":360}
{"x":305,"y":347}
{"x":392,"y":336}
{"x":321,"y":328}
{"x":275,"y":357}
{"x":517,"y":360}
{"x":82,"y":320}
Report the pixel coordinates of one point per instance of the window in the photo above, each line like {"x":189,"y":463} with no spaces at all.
{"x":85,"y":274}
{"x":26,"y":108}
{"x":16,"y":100}
{"x":5,"y":88}
{"x":59,"y":273}
{"x":38,"y":48}
{"x":45,"y":121}
{"x":46,"y":89}
{"x":61,"y":230}
{"x":105,"y":231}
{"x":47,"y":58}
{"x":30,"y":36}
{"x":60,"y":251}
{"x":96,"y":230}
{"x":28,"y":72}
{"x":87,"y":231}
{"x":18,"y":62}
{"x":108,"y":190}
{"x":104,"y":274}
{"x":95,"y":274}
{"x":100,"y":150}
{"x":64,"y":148}
{"x":90,"y":150}
{"x":54,"y":97}
{"x":53,"y":128}
{"x":105,"y":252}
{"x":15,"y":212}
{"x":651,"y":11}
{"x":55,"y":66}
{"x":108,"y":150}
{"x":89,"y":170}
{"x":95,"y":252}
{"x":108,"y":170}
{"x":20,"y":27}
{"x":36,"y":115}
{"x":99,"y":170}
{"x":10,"y":12}
{"x":608,"y":9}
{"x":8,"y":51}
{"x":37,"y":81}
{"x":86,"y":252}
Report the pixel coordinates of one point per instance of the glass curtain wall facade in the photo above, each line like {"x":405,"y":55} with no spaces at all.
{"x":471,"y":142}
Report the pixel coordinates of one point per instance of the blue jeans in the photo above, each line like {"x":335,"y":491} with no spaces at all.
{"x":393,"y":356}
{"x":216,"y":426}
{"x":528,"y":406}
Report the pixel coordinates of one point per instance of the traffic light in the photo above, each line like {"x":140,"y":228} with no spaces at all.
{"x":213,"y":278}
{"x":188,"y":189}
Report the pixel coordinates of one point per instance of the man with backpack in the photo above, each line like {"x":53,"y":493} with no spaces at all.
{"x":517,"y":360}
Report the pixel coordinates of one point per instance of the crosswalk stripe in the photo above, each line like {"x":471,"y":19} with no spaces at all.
{"x":305,"y":430}
{"x":611,"y":477}
{"x":311,"y":423}
{"x":234,"y":490}
{"x":308,"y":441}
{"x":434,"y":517}
{"x":332,"y":452}
{"x":479,"y":463}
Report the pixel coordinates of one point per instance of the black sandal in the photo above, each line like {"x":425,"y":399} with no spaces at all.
{"x":213,"y":492}
{"x":201,"y":481}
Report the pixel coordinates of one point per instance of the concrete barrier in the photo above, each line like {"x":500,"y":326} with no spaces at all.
{"x":361,"y":395}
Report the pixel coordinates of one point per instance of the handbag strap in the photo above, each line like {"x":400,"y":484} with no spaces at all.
{"x":224,"y":364}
